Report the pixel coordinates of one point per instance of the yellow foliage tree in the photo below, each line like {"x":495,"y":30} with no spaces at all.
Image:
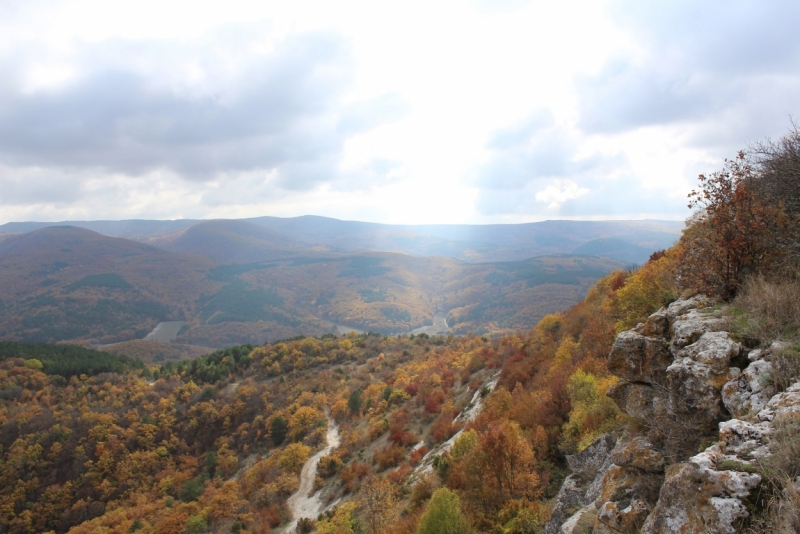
{"x":645,"y":291}
{"x":344,"y":521}
{"x":293,"y":457}
{"x":377,"y":501}
{"x":303,"y":421}
{"x":593,"y":413}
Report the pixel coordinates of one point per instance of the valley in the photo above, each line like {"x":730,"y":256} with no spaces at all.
{"x":626,"y":241}
{"x":223,"y":283}
{"x":399,"y":268}
{"x":439,"y":326}
{"x":499,"y":427}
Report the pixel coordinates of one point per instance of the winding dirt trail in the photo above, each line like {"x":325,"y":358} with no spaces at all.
{"x":301,"y":504}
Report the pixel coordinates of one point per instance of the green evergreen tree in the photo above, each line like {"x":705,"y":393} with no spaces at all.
{"x":277,"y":430}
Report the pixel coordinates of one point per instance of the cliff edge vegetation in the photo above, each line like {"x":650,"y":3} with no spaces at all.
{"x":681,"y":373}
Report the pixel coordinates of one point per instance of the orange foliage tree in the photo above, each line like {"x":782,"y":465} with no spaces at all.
{"x":736,"y":233}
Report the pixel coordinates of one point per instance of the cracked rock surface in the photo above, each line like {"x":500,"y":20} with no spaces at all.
{"x":686,"y":382}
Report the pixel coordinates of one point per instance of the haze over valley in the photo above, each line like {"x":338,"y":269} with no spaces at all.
{"x":259,"y":280}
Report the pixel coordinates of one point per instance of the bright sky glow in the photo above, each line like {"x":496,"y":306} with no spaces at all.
{"x":399,"y":112}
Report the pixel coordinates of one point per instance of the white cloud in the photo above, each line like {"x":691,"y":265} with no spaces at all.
{"x":406,"y":112}
{"x":559,"y":191}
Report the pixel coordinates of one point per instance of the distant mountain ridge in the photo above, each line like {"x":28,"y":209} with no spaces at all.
{"x":232,"y":241}
{"x":627,"y":241}
{"x":235,"y":282}
{"x":613,"y":247}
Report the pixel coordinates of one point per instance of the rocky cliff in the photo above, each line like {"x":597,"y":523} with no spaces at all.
{"x":702,"y":408}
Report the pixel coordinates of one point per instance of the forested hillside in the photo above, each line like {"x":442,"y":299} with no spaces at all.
{"x":219,"y":441}
{"x":223,"y":280}
{"x":217,"y":444}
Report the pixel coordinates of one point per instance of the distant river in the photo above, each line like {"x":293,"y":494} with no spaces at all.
{"x":439,"y":326}
{"x":166,"y":331}
{"x":340,"y":328}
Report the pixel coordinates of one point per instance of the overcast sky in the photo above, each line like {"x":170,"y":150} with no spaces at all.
{"x":465,"y":111}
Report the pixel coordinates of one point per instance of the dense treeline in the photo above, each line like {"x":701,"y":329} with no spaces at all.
{"x":69,"y":360}
{"x":210,"y":368}
{"x":114,"y":452}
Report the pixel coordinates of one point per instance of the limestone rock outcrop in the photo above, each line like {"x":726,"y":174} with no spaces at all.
{"x":580,"y":488}
{"x":683,"y":378}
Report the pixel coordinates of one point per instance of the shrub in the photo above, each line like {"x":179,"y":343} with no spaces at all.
{"x":353,"y":473}
{"x":422,"y":490}
{"x":433,"y":404}
{"x":646,"y":290}
{"x":354,"y":402}
{"x":779,"y":166}
{"x":417,"y":455}
{"x":444,"y":428}
{"x":208,"y":393}
{"x":192,"y":489}
{"x":389,"y":456}
{"x":329,"y":466}
{"x":34,"y":364}
{"x":771,"y":309}
{"x":786,"y":362}
{"x":277,"y":430}
{"x":592,"y":414}
{"x":195,"y":524}
{"x":737,"y":233}
{"x":293,"y":457}
{"x":306,"y":525}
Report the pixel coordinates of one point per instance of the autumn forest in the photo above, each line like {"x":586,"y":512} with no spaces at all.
{"x":455,"y":433}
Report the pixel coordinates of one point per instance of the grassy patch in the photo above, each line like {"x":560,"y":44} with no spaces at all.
{"x":733,"y":465}
{"x":778,"y":507}
{"x":787,"y":367}
{"x":768,"y":310}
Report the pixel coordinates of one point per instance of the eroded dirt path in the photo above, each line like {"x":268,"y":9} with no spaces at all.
{"x":469,"y":413}
{"x":301,"y":504}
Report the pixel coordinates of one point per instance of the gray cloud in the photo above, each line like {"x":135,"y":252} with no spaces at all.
{"x":606,"y":198}
{"x":705,"y":61}
{"x":534,"y":150}
{"x":38,"y":186}
{"x":620,"y":197}
{"x":537,"y":154}
{"x":280,"y":113}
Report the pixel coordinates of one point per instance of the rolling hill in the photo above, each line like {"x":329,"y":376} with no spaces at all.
{"x":471,"y":243}
{"x":478,"y":243}
{"x":62,"y":283}
{"x":235,"y":282}
{"x":232,"y":241}
{"x":612,"y":247}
